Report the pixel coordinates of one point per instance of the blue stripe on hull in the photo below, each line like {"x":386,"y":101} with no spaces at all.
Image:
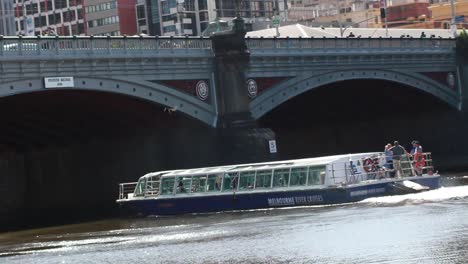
{"x":257,"y":200}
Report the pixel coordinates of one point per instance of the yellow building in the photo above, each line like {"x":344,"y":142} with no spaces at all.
{"x":443,"y":13}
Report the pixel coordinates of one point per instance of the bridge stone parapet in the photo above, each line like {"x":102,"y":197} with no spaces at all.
{"x":325,"y":46}
{"x":186,"y":73}
{"x":108,"y":47}
{"x":283,"y":68}
{"x":174,"y":72}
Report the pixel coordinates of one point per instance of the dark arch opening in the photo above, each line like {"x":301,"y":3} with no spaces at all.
{"x":63,"y":152}
{"x":59,"y":117}
{"x":358,"y":116}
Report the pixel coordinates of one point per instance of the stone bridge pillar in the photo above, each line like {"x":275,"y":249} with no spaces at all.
{"x":239,"y":138}
{"x":231,"y":60}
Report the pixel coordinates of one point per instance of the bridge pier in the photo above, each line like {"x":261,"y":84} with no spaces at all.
{"x":240,"y":140}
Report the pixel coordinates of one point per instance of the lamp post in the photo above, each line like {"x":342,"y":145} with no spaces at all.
{"x":339,"y":17}
{"x":238,"y":22}
{"x":385,"y":18}
{"x":453,"y":26}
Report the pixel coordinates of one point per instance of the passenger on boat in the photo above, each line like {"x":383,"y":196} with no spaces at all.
{"x":418,"y":157}
{"x":219,"y":179}
{"x":388,"y":165}
{"x":379,"y":162}
{"x":397,"y":152}
{"x":180,"y":186}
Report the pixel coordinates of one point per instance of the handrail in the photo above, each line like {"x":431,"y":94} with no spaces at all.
{"x":379,"y":171}
{"x":126,"y":188}
{"x":56,"y":45}
{"x":50,"y":45}
{"x":349,"y":43}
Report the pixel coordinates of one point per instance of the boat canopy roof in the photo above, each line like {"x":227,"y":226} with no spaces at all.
{"x":263,"y":165}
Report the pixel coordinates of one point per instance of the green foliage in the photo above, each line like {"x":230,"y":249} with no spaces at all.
{"x":462,"y":45}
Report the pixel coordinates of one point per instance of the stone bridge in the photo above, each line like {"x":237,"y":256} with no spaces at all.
{"x":186,"y":74}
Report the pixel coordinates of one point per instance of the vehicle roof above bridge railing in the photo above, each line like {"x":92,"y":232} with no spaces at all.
{"x":298,"y":30}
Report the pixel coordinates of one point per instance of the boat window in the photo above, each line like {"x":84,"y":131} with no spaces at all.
{"x":152,"y":185}
{"x":298,"y":176}
{"x":183,"y":184}
{"x":247,"y":180}
{"x":199,"y":183}
{"x":263,"y":179}
{"x":280,"y":177}
{"x":167,"y":185}
{"x":214,"y":182}
{"x":140,"y":187}
{"x":315,"y":177}
{"x":230,"y":181}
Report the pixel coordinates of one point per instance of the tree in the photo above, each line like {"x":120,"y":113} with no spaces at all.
{"x":462,"y":45}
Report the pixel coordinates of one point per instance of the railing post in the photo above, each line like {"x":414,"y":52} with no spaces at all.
{"x":108,"y":41}
{"x":91,"y":44}
{"x":39,"y":45}
{"x":56,"y":39}
{"x":140,"y":44}
{"x":157,"y":45}
{"x":20,"y":45}
{"x":346,"y":172}
{"x":74,"y":44}
{"x":172,"y":43}
{"x":1,"y":45}
{"x":125,"y":43}
{"x":186,"y":42}
{"x":202,"y":43}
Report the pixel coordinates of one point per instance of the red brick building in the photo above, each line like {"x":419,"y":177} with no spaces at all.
{"x":407,"y":14}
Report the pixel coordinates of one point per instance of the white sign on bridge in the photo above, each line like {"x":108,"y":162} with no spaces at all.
{"x":272,"y":145}
{"x":58,"y":82}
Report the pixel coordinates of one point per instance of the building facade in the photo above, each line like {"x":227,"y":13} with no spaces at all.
{"x":407,"y":14}
{"x":252,"y":10}
{"x":7,"y":18}
{"x":39,"y":17}
{"x":356,"y":13}
{"x":141,"y":14}
{"x":111,"y":17}
{"x":177,"y":17}
{"x":192,"y":17}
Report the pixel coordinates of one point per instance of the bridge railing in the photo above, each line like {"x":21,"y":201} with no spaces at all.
{"x":49,"y":45}
{"x":348,"y":43}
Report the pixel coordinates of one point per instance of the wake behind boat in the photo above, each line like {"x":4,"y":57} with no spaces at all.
{"x":313,"y":181}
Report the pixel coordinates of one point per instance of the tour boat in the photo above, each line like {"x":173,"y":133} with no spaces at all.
{"x":301,"y":182}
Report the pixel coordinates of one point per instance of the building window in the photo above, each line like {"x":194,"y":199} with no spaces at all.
{"x":101,"y":7}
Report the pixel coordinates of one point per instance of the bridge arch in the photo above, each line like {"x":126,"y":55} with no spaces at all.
{"x":298,"y":85}
{"x":149,"y":91}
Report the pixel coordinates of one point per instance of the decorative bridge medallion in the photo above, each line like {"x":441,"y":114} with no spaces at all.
{"x":196,"y":88}
{"x":255,"y":86}
{"x":202,"y":90}
{"x":252,"y":88}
